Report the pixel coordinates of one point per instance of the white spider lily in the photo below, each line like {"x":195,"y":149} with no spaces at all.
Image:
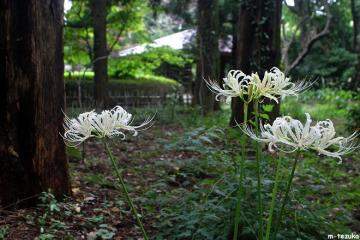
{"x":124,"y":119}
{"x":79,"y":129}
{"x":105,"y":125}
{"x":108,"y":123}
{"x":287,"y":134}
{"x":344,"y":145}
{"x":236,"y":84}
{"x":275,"y":84}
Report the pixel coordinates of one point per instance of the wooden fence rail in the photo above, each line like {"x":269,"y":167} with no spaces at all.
{"x":129,"y":98}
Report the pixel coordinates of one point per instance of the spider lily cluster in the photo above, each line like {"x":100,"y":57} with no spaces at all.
{"x":104,"y":125}
{"x":250,"y":87}
{"x":288,"y":135}
{"x":108,"y":123}
{"x":284,"y":134}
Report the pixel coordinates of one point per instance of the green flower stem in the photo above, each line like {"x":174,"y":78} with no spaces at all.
{"x":241,"y":178}
{"x":118,"y":174}
{"x":260,"y":204}
{"x":273,"y":198}
{"x":286,"y":197}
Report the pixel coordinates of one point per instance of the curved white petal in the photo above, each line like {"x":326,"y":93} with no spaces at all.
{"x":108,"y":123}
{"x":287,"y":135}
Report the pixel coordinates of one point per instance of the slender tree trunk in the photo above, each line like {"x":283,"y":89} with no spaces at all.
{"x":32,"y":153}
{"x":302,"y":8}
{"x":196,"y":86}
{"x":208,"y":65}
{"x":257,"y":45}
{"x":355,"y":9}
{"x":100,"y":62}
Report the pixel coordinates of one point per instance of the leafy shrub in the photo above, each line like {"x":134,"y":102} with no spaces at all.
{"x":321,"y":104}
{"x":72,"y":78}
{"x":354,"y":115}
{"x":150,"y":83}
{"x":334,"y":66}
{"x":132,"y":66}
{"x":338,"y":97}
{"x":292,"y":107}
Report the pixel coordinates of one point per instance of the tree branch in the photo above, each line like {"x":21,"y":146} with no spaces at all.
{"x":117,"y":38}
{"x":78,"y":24}
{"x":287,"y":43}
{"x":88,"y":45}
{"x":118,"y":35}
{"x":309,"y":43}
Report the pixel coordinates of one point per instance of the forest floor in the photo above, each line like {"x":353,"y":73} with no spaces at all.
{"x":96,"y":209}
{"x":180,"y":174}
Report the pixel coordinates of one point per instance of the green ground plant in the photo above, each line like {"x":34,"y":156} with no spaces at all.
{"x":304,"y":218}
{"x":203,"y":211}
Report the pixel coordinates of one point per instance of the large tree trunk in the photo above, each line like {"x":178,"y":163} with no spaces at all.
{"x":208,"y":65}
{"x":258,"y":44}
{"x":100,"y":62}
{"x":32,"y":153}
{"x":355,"y":9}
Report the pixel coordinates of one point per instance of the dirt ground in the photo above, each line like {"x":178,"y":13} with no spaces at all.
{"x":96,"y":202}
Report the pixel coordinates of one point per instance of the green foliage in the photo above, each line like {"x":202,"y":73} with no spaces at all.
{"x":265,"y":111}
{"x":143,"y":80}
{"x":4,"y":230}
{"x":195,"y":139}
{"x":73,"y":153}
{"x":334,"y":67}
{"x":48,"y":203}
{"x":354,"y":115}
{"x":293,"y":107}
{"x":78,"y":74}
{"x":151,"y":83}
{"x":133,"y":66}
{"x":50,"y":206}
{"x":321,"y":201}
{"x":322,"y":104}
{"x":331,"y":58}
{"x":338,"y":97}
{"x":97,"y":219}
{"x":53,"y":215}
{"x":104,"y":232}
{"x":200,"y":208}
{"x":122,"y":17}
{"x":46,"y":236}
{"x":185,"y":116}
{"x":99,"y":179}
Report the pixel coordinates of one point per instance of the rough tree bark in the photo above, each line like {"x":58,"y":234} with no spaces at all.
{"x":208,"y":65}
{"x":355,"y":9}
{"x":100,"y":61}
{"x":32,"y":153}
{"x":258,"y":44}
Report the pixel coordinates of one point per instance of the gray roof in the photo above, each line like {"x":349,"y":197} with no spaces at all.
{"x":175,"y":41}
